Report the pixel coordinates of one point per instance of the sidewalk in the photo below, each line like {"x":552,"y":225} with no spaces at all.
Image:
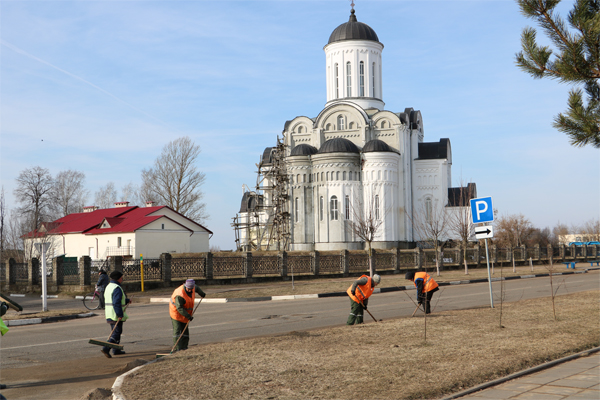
{"x":573,"y":377}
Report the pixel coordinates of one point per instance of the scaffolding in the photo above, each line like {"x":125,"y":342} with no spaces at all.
{"x":264,"y":223}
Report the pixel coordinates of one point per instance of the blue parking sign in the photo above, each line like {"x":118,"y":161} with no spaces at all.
{"x":481,"y":210}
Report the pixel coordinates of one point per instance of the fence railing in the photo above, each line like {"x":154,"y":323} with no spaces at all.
{"x":227,"y":265}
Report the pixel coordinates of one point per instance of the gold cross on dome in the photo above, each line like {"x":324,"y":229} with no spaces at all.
{"x":352,"y":4}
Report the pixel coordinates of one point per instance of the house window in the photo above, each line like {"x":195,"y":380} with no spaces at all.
{"x":336,"y":82}
{"x":377,"y":207}
{"x":333,"y":206}
{"x":162,"y":226}
{"x":428,"y":210}
{"x":296,"y":210}
{"x":118,"y":241}
{"x":362,"y":79}
{"x":347,"y":206}
{"x":321,"y":205}
{"x":341,"y":123}
{"x":348,"y":79}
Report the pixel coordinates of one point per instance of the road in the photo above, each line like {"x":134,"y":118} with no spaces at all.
{"x":56,"y":357}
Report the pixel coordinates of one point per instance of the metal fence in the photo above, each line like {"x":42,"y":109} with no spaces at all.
{"x":188,"y":267}
{"x":330,"y":264}
{"x":300,"y":264}
{"x":265,"y":265}
{"x":132,"y":270}
{"x":230,"y":266}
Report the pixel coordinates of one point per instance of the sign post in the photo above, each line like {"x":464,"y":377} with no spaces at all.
{"x":482,"y":211}
{"x":142,"y":270}
{"x":41,"y":248}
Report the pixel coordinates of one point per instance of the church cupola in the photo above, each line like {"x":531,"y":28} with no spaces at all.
{"x":353,"y":62}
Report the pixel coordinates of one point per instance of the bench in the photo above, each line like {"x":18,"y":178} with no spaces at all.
{"x":570,"y":264}
{"x":594,"y":261}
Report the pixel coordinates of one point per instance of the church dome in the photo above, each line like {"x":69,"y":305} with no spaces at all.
{"x":376,"y":145}
{"x":338,"y":145}
{"x":353,"y":30}
{"x":303,"y":150}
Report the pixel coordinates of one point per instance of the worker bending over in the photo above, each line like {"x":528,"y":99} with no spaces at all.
{"x":359,"y":292}
{"x":426,"y":287}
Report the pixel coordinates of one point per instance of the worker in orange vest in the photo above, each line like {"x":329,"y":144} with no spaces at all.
{"x":425,"y":285}
{"x":359,"y":292}
{"x":181,"y":308}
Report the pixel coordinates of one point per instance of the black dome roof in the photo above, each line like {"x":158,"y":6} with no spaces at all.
{"x":303,"y":150}
{"x":376,"y":145}
{"x":353,"y":30}
{"x":338,"y":145}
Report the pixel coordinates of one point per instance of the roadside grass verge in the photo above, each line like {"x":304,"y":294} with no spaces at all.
{"x":385,"y":360}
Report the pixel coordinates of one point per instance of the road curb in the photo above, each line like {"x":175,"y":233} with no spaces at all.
{"x":34,"y":321}
{"x":519,"y":374}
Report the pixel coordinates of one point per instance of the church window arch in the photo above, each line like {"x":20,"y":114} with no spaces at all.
{"x":362,"y":80}
{"x":348,"y":79}
{"x":327,"y":175}
{"x":328,"y":127}
{"x":377,"y":207}
{"x":304,"y":178}
{"x":341,"y":122}
{"x":296,"y":213}
{"x":321,"y":205}
{"x":298,"y":178}
{"x":333,"y":207}
{"x":428,"y":209}
{"x":300,"y":129}
{"x":322,"y":176}
{"x":351,"y":125}
{"x":336,"y":81}
{"x":373,"y":74}
{"x":347,"y":206}
{"x":344,"y":176}
{"x":337,"y":176}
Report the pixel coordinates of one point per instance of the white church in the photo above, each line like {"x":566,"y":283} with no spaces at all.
{"x":353,"y":160}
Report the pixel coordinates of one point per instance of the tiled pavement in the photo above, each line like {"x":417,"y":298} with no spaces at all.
{"x":575,"y":379}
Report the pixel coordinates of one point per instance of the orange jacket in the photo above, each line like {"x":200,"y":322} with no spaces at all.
{"x":365,"y":291}
{"x":189,"y":304}
{"x":428,"y":283}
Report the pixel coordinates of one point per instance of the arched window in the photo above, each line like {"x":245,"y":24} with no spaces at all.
{"x":304,"y":178}
{"x":377,"y":207}
{"x":350,"y":175}
{"x":337,"y":176}
{"x":299,"y":129}
{"x":347,"y":206}
{"x":351,"y":125}
{"x":322,"y":176}
{"x":328,"y":127}
{"x":348,"y":79}
{"x":333,"y":207}
{"x":336,"y":81}
{"x":344,"y":176}
{"x":321,"y":205}
{"x":327,"y":175}
{"x":362,"y":79}
{"x":373,"y":74}
{"x":341,"y":122}
{"x":298,"y":178}
{"x":296,"y":214}
{"x":428,"y":210}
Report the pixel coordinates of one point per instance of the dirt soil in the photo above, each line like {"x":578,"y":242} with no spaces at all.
{"x":406,"y":358}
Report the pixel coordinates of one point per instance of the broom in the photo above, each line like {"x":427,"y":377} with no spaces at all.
{"x":107,"y":343}
{"x":182,"y":332}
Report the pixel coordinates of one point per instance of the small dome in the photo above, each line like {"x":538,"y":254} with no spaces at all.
{"x":338,"y":145}
{"x":303,"y":150}
{"x":353,"y":30}
{"x":376,"y":145}
{"x":267,"y":156}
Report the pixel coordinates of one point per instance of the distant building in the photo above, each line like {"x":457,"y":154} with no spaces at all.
{"x":353,"y":160}
{"x":121,"y":231}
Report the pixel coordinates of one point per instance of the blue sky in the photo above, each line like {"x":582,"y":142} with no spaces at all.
{"x":102,"y":86}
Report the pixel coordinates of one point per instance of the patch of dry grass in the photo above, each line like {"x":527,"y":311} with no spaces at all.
{"x":12,"y":315}
{"x":385,"y":360}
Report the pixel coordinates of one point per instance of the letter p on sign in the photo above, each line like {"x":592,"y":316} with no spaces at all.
{"x":481,"y":210}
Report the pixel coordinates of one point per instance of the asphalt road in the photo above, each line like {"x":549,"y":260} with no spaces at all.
{"x":56,"y":359}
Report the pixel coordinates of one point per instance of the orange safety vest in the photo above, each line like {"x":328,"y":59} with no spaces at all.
{"x":189,"y":304}
{"x":367,"y":290}
{"x":428,"y":283}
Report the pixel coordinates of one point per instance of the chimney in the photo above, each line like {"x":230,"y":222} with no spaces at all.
{"x":120,"y":204}
{"x":149,"y":203}
{"x":90,"y":209}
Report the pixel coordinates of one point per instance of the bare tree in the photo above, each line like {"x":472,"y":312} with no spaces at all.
{"x":366,"y":221}
{"x":591,"y":230}
{"x":459,"y":221}
{"x":106,"y":196}
{"x":512,"y":230}
{"x":33,"y":193}
{"x":175,"y":181}
{"x":430,"y":222}
{"x":129,"y":193}
{"x":559,"y":232}
{"x":68,"y":194}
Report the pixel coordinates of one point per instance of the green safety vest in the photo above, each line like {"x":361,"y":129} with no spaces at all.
{"x":3,"y":327}
{"x":109,"y":311}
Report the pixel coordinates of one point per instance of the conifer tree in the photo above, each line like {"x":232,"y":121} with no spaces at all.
{"x":576,"y":62}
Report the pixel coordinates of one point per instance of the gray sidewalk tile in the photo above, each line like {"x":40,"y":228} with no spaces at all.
{"x":585,"y":395}
{"x":495,"y":394}
{"x":517,"y":385}
{"x":538,"y":396}
{"x":558,"y":390}
{"x":575,"y":383}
